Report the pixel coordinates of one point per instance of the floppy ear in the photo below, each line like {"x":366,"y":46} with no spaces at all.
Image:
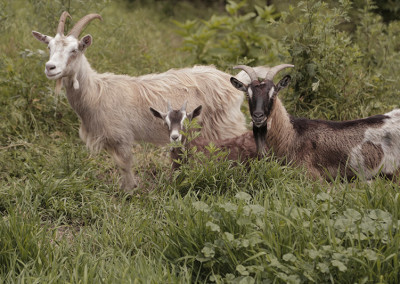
{"x":158,"y":114}
{"x":238,"y":85}
{"x":283,"y":83}
{"x":85,"y":42}
{"x":41,"y":37}
{"x":195,"y":113}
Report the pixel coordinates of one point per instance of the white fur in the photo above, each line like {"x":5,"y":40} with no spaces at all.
{"x":391,"y":158}
{"x":250,"y":92}
{"x":271,"y":92}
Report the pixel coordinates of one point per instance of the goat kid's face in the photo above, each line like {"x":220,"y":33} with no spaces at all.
{"x":260,"y":95}
{"x":175,"y":119}
{"x":65,"y":52}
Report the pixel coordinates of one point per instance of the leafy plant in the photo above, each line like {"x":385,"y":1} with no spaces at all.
{"x":235,"y":37}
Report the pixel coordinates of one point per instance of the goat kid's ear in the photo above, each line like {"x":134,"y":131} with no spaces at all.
{"x":283,"y":83}
{"x":85,"y":42}
{"x":238,"y":85}
{"x":195,"y":113}
{"x":41,"y":37}
{"x":158,"y":114}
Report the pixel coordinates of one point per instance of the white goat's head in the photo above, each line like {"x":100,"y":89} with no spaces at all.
{"x":65,"y":51}
{"x":175,"y":119}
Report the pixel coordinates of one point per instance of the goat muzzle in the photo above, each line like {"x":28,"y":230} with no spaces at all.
{"x":259,"y":120}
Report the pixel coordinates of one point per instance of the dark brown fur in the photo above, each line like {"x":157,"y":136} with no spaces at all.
{"x":324,"y":146}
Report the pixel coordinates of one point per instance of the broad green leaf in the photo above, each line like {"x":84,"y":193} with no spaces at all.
{"x":243,"y":196}
{"x":340,"y":265}
{"x":214,"y":227}
{"x":201,"y":206}
{"x":242,"y":270}
{"x":289,"y":257}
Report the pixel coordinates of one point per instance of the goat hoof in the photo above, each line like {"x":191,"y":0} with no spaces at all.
{"x":130,"y":187}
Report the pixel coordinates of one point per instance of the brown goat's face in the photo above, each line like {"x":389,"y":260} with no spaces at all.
{"x":65,"y":52}
{"x":175,"y":119}
{"x":260,"y":95}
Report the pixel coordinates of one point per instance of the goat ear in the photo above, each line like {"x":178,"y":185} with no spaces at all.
{"x":158,"y":114}
{"x":195,"y":113}
{"x":238,"y":85}
{"x":41,"y":37}
{"x":85,"y":42}
{"x":283,"y":83}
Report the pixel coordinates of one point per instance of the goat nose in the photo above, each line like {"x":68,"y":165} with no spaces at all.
{"x":50,"y":66}
{"x":174,"y":137}
{"x":258,"y":114}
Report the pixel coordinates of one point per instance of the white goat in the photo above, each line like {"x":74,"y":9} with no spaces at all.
{"x":113,"y":109}
{"x":241,"y":148}
{"x":327,"y":148}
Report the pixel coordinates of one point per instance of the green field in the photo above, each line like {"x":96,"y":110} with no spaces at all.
{"x":63,"y":218}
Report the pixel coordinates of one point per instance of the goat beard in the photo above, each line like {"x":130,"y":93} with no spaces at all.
{"x":59,"y":85}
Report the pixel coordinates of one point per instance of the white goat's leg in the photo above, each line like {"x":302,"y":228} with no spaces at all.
{"x":123,"y":158}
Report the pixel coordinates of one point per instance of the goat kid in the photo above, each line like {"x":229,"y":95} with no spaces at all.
{"x":240,"y":148}
{"x":113,"y":109}
{"x":327,"y":149}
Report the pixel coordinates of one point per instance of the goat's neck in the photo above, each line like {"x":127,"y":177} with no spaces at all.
{"x":280,"y":134}
{"x":81,"y":89}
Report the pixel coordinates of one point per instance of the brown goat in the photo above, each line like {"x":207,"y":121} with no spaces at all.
{"x":327,"y":149}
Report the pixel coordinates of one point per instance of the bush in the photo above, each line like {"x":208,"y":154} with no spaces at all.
{"x":239,"y":36}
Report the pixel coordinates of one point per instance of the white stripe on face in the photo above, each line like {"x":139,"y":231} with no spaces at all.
{"x":271,"y":92}
{"x":183,"y":119}
{"x":250,"y":92}
{"x":168,"y":122}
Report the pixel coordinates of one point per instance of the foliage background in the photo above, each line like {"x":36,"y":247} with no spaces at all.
{"x":62,"y":216}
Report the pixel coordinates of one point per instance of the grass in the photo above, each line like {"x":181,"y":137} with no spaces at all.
{"x":63,"y":218}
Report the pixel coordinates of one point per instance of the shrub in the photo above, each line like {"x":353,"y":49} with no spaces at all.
{"x":239,"y":36}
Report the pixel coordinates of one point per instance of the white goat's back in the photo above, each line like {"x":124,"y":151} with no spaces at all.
{"x":125,"y":101}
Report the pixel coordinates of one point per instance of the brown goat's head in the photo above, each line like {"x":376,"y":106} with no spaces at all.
{"x":261,"y":94}
{"x":175,"y":119}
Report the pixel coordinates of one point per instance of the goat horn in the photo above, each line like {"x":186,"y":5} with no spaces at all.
{"x":81,"y":24}
{"x":183,"y":108}
{"x":61,"y":23}
{"x":274,"y":70}
{"x":250,"y":71}
{"x":169,"y":106}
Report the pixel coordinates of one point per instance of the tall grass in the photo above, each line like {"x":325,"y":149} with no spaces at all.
{"x":63,"y":218}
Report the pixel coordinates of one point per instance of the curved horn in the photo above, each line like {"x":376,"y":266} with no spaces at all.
{"x":169,"y":106}
{"x":250,"y":71}
{"x":183,"y":108}
{"x":81,"y":24}
{"x":274,"y":70}
{"x":61,"y":23}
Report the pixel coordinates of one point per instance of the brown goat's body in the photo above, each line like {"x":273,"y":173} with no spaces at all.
{"x":328,"y":149}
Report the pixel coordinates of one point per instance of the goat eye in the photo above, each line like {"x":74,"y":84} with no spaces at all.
{"x":74,"y":51}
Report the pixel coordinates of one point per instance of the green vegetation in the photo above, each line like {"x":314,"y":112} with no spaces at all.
{"x":63,"y":218}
